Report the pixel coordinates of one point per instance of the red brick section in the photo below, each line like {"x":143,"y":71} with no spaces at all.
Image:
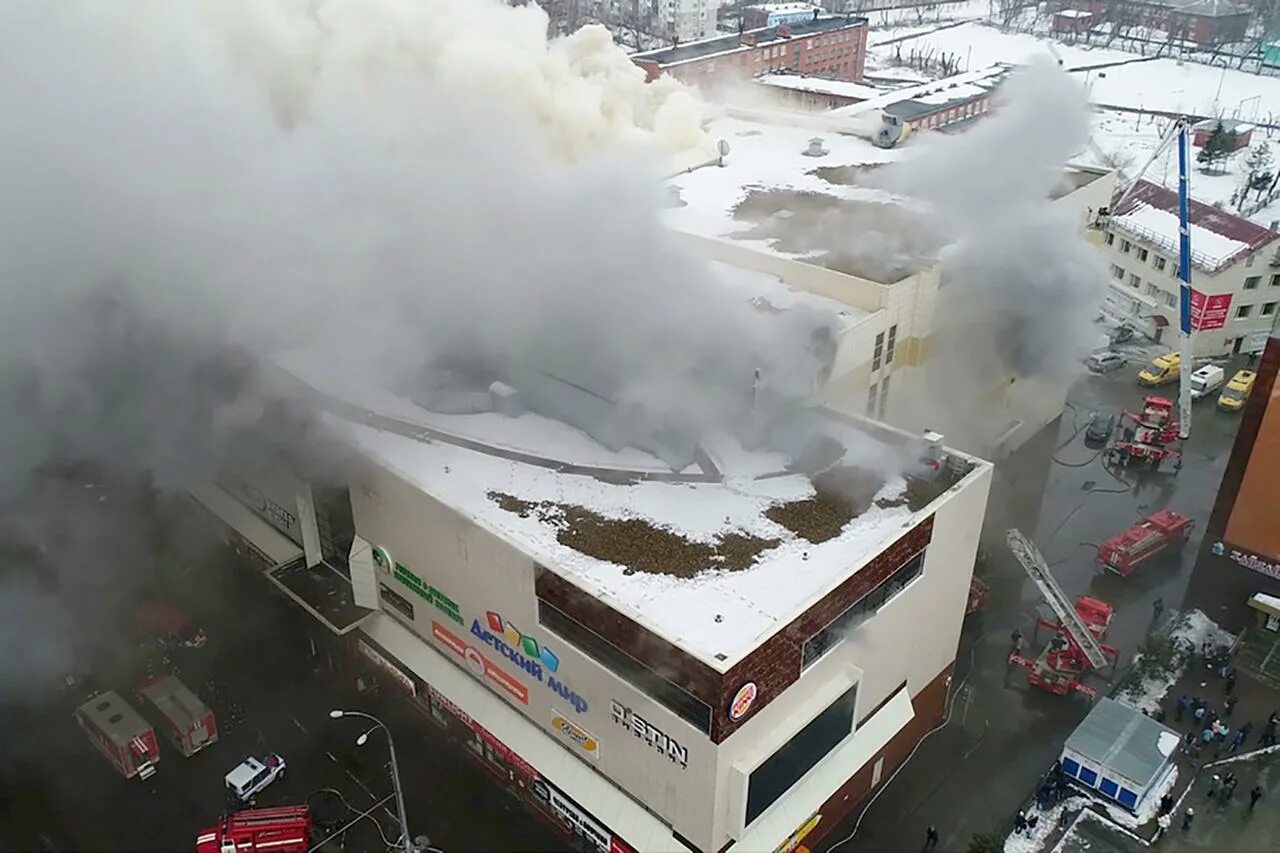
{"x":930,"y":705}
{"x":772,"y":667}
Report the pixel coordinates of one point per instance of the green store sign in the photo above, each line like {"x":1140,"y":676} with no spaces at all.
{"x":428,"y":593}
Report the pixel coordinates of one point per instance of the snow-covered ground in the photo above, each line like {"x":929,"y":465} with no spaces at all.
{"x":1192,"y":630}
{"x":1127,"y":139}
{"x":1034,"y":841}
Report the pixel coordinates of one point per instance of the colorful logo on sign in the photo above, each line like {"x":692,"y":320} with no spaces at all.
{"x":502,"y":628}
{"x":743,"y":700}
{"x":525,"y":653}
{"x":382,"y":559}
{"x":802,"y":832}
{"x":580,"y":737}
{"x":480,"y":665}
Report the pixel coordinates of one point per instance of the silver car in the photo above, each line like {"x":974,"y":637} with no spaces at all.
{"x":1105,"y":362}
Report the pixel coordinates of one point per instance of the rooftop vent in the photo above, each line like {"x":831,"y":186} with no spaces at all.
{"x":816,"y":148}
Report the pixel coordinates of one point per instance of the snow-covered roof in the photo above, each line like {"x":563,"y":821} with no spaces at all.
{"x":1218,"y":238}
{"x":769,"y":183}
{"x":1074,"y":13}
{"x":1121,"y":741}
{"x":774,"y":8}
{"x":958,"y":87}
{"x":820,"y":85}
{"x":714,"y":558}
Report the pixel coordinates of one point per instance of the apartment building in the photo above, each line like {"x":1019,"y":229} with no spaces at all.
{"x":827,"y":47}
{"x":1235,"y":272}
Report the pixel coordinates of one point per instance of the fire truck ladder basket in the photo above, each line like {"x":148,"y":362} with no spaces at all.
{"x":1032,"y":560}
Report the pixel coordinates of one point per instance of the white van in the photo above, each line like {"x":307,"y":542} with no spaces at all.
{"x":1206,"y":380}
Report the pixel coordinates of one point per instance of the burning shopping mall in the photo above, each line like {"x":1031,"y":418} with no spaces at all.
{"x":704,"y":655}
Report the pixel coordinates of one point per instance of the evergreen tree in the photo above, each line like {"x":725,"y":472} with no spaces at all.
{"x":1216,"y":148}
{"x":1257,"y":171}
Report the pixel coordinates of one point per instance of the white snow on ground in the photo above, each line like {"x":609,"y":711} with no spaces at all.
{"x":1161,"y":84}
{"x":1193,"y":628}
{"x":1034,"y":842}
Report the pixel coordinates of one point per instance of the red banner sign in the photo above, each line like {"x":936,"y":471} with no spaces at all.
{"x":479,"y":664}
{"x":1209,"y":310}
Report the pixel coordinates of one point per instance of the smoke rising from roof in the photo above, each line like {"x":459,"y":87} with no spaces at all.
{"x":1020,"y":286}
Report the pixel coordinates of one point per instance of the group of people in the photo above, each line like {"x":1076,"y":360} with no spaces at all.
{"x":1053,"y":789}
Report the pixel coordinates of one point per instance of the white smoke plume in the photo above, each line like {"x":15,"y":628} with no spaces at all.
{"x":1020,"y":285}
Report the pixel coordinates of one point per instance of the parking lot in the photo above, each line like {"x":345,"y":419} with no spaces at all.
{"x":265,"y":673}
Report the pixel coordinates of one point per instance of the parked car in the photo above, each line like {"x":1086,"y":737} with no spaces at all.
{"x":1205,"y":380}
{"x":1105,"y":362}
{"x":1162,"y":370}
{"x":1122,"y":333}
{"x":1101,"y":425}
{"x":251,"y":776}
{"x":1237,"y":391}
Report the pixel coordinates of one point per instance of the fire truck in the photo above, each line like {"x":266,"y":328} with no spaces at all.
{"x":1076,"y":647}
{"x":1147,"y":436}
{"x":188,"y":722}
{"x":282,"y":829}
{"x":1153,"y":535}
{"x":121,"y":734}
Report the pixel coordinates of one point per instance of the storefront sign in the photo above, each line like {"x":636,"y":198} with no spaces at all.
{"x":586,"y":742}
{"x":507,"y":753}
{"x":387,"y":666}
{"x":802,"y":831}
{"x":448,"y":704}
{"x":1247,"y":559}
{"x":426,"y":592}
{"x":649,"y":733}
{"x":523,"y":642}
{"x":533,"y":666}
{"x":743,"y":700}
{"x":480,"y":665}
{"x":599,"y":837}
{"x":282,"y":518}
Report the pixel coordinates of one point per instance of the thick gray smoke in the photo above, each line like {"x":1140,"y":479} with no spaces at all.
{"x":192,"y":187}
{"x":1020,"y":286}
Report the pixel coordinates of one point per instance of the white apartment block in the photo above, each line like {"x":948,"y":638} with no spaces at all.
{"x":1235,"y":270}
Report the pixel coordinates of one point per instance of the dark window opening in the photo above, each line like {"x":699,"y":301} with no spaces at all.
{"x":115,"y":718}
{"x":860,"y":611}
{"x":877,"y":356}
{"x":799,"y":755}
{"x":673,"y":697}
{"x":891,"y":344}
{"x":334,"y":526}
{"x":397,"y":601}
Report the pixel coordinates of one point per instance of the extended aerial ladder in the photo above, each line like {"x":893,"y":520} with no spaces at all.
{"x":1077,"y":648}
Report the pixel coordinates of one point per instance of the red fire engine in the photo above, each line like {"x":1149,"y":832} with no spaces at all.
{"x":1156,"y":533}
{"x":283,"y":829}
{"x":1148,"y":439}
{"x":186,"y":720}
{"x":1076,"y":647}
{"x":121,"y":734}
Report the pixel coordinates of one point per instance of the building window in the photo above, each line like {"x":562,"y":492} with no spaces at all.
{"x":335,"y":527}
{"x":1160,"y":263}
{"x":1252,"y":282}
{"x":1152,"y":290}
{"x":1171,"y":300}
{"x":396,"y":601}
{"x":687,"y":706}
{"x":884,"y":396}
{"x":796,"y":757}
{"x":878,"y":353}
{"x":872,"y":394}
{"x":1142,"y":254}
{"x":1268,"y":308}
{"x":1134,"y":281}
{"x":1110,"y":239}
{"x":860,"y":611}
{"x":1248,"y":262}
{"x":891,"y":344}
{"x":1275,"y":280}
{"x":1243,"y":311}
{"x":1117,"y":272}
{"x":1125,"y":246}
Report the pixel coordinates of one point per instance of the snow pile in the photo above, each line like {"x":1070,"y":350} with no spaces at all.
{"x":1167,"y":743}
{"x":1034,"y":842}
{"x":1191,"y":631}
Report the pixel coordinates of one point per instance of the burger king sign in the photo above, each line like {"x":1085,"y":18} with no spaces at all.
{"x":742,"y":701}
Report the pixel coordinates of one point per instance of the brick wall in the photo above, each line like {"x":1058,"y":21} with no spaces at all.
{"x":772,"y":667}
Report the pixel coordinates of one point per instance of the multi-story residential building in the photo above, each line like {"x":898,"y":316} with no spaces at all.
{"x":1235,"y":271}
{"x":1240,"y":554}
{"x":723,"y":657}
{"x":825,"y":47}
{"x":774,"y":14}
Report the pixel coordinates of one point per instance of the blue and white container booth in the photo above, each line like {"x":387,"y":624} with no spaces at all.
{"x":1120,"y":754}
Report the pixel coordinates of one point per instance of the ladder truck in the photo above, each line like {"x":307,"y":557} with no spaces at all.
{"x":283,"y":829}
{"x":1076,"y":647}
{"x":1149,"y":437}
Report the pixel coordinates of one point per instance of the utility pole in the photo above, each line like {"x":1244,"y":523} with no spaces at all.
{"x":1184,"y":274}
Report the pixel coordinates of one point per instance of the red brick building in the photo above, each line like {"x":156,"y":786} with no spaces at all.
{"x":834,"y":48}
{"x":1204,"y":129}
{"x":1199,"y":21}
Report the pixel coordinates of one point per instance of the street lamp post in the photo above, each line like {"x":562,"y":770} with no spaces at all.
{"x":406,"y":841}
